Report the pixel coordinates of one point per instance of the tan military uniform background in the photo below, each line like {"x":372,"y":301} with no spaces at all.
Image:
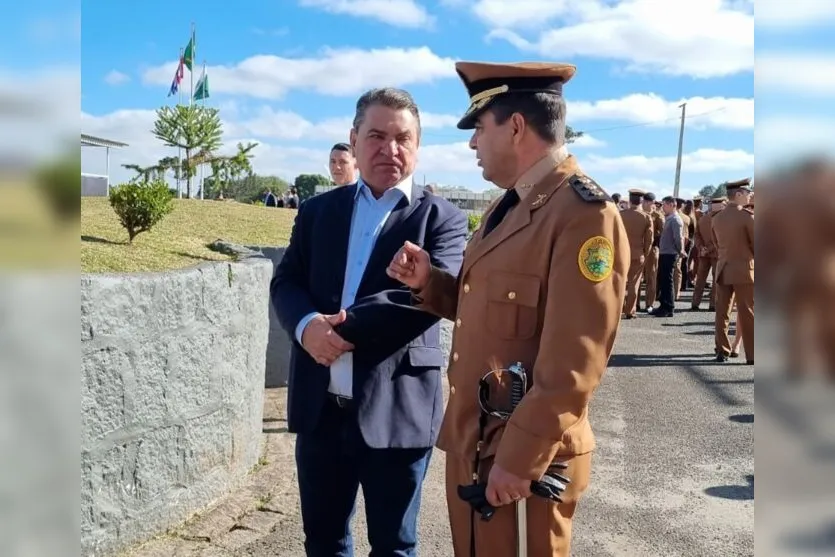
{"x":638,"y":226}
{"x":733,"y":233}
{"x":705,"y":249}
{"x":522,"y":296}
{"x":651,"y":264}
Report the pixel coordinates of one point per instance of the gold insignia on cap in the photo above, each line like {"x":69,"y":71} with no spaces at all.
{"x":596,"y":258}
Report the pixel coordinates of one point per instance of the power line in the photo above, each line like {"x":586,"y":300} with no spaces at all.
{"x":644,"y":124}
{"x":623,"y":126}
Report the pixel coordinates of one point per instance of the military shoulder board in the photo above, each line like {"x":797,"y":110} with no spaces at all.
{"x":588,"y":189}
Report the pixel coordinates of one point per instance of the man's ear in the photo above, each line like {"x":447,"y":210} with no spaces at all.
{"x":352,"y":139}
{"x":517,"y":126}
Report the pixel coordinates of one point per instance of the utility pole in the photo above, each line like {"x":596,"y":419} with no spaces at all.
{"x":680,"y":146}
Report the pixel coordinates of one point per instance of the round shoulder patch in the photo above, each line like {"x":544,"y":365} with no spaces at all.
{"x":596,"y":258}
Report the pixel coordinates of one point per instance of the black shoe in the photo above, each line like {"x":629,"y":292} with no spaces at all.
{"x":734,"y":354}
{"x":695,"y":308}
{"x":721,"y":358}
{"x":749,"y":362}
{"x":659,"y":313}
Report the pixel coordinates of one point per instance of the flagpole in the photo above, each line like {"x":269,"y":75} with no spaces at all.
{"x":202,"y":162}
{"x":193,"y":59}
{"x":179,"y":149}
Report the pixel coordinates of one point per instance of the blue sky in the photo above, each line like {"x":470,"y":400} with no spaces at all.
{"x":287,"y":74}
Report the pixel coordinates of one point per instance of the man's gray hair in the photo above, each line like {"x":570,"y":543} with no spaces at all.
{"x":543,"y":112}
{"x":390,"y":97}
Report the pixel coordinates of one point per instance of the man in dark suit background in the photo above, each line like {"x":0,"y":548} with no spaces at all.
{"x":365,"y":391}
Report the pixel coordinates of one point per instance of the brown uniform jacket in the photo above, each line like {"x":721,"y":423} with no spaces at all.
{"x":733,"y":233}
{"x":685,"y":230}
{"x":657,"y":228}
{"x":638,"y":226}
{"x":703,"y":243}
{"x":546,"y":289}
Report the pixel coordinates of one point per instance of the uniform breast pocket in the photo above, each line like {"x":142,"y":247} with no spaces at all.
{"x":512,"y":305}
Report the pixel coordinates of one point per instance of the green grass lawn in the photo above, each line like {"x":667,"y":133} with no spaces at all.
{"x":181,"y":238}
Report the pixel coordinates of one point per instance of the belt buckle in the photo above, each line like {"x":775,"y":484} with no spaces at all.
{"x":342,"y":401}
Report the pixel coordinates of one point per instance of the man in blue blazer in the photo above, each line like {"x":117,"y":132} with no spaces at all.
{"x":365,"y":385}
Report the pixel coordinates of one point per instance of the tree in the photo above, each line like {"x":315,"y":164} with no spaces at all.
{"x":145,"y":173}
{"x":192,"y":128}
{"x":720,"y":191}
{"x":707,"y":191}
{"x":572,"y":135}
{"x":306,"y":184}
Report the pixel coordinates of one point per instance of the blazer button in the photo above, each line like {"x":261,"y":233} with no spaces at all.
{"x":335,"y":299}
{"x":511,"y":295}
{"x":455,"y":357}
{"x":458,"y":322}
{"x":466,"y":288}
{"x":452,"y":389}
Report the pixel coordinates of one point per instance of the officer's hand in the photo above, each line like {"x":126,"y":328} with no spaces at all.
{"x":503,"y":488}
{"x":322,"y":342}
{"x":410,"y":266}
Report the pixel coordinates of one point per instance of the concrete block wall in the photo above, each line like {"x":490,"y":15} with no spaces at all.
{"x":172,"y":394}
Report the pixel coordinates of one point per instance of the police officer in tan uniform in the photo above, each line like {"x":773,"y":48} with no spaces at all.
{"x":704,"y":249}
{"x":733,"y":233}
{"x":542,"y":284}
{"x":651,"y":265}
{"x":638,"y":226}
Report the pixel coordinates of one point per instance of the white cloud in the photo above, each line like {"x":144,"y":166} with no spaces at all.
{"x":337,"y":72}
{"x":711,"y":112}
{"x":589,"y":142}
{"x":808,"y":73}
{"x":281,"y":150}
{"x":698,"y":38}
{"x":699,"y":161}
{"x":399,"y":13}
{"x":520,"y":13}
{"x":287,"y":125}
{"x":780,"y":14}
{"x":115,"y":77}
{"x":265,"y":126}
{"x":778,"y":138}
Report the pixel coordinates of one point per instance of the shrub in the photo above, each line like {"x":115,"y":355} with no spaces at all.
{"x":60,"y":182}
{"x":141,"y":205}
{"x":473,"y":222}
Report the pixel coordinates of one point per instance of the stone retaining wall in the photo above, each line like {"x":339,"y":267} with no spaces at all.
{"x":172,"y":394}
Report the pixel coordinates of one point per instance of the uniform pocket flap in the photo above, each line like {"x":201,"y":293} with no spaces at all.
{"x":426,"y":356}
{"x":513,"y":288}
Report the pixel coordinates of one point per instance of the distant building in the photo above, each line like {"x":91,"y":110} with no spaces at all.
{"x":98,"y":185}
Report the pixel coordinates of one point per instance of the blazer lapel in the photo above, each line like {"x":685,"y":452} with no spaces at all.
{"x":387,"y":243}
{"x":520,"y":216}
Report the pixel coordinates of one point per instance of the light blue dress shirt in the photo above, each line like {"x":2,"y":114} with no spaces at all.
{"x":370,"y":215}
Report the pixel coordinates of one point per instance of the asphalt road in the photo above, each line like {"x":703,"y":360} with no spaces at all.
{"x":673,"y":474}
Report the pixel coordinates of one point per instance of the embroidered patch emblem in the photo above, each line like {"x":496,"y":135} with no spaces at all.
{"x":596,"y":258}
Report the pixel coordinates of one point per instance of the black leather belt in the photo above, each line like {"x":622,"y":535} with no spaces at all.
{"x":343,"y":402}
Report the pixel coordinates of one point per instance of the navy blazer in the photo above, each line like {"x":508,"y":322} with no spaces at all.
{"x":397,"y":356}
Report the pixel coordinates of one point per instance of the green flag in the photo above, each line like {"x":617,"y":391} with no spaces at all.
{"x":188,"y":54}
{"x":201,"y":90}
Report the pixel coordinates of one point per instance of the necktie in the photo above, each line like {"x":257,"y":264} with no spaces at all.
{"x":509,"y":199}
